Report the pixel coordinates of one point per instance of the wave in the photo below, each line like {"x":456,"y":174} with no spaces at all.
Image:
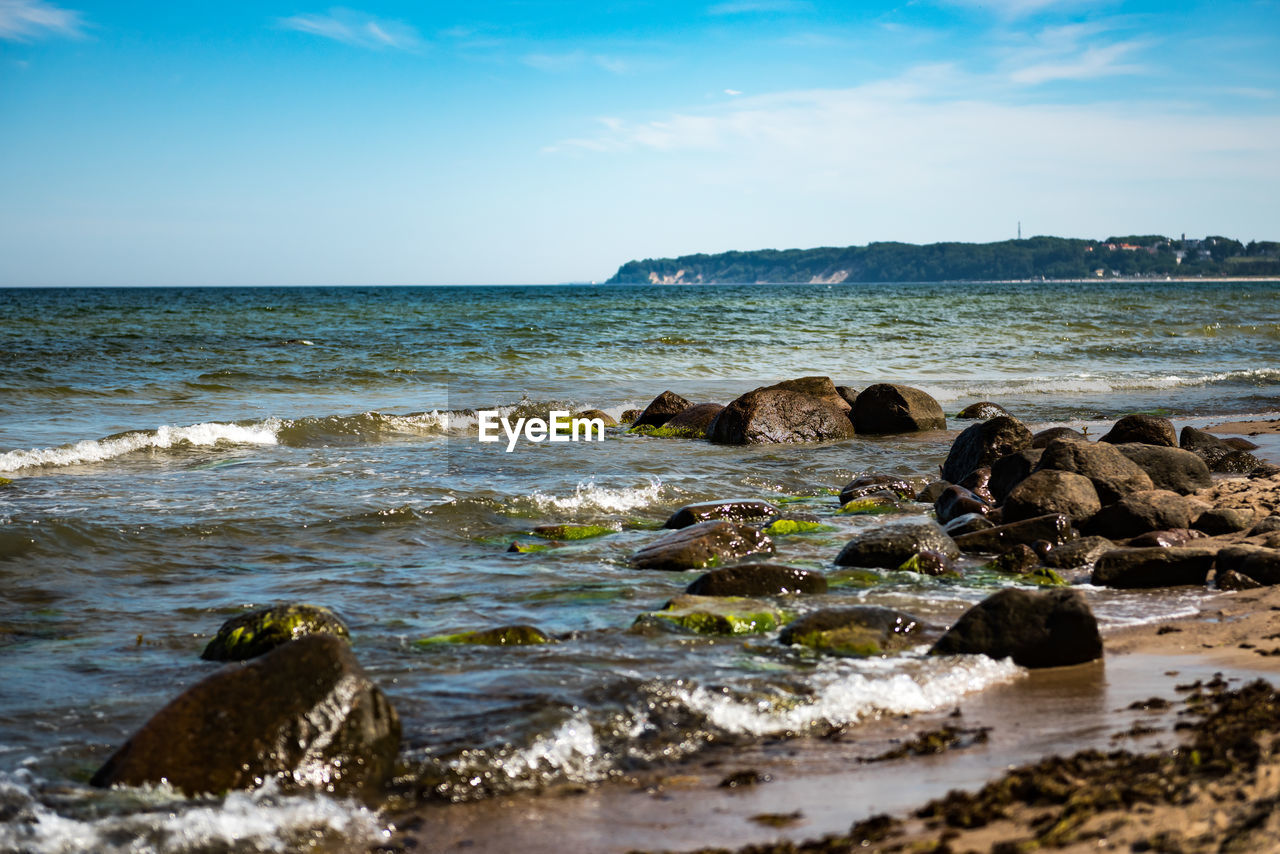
{"x":1098,"y":384}
{"x":587,"y":497}
{"x":100,"y":450}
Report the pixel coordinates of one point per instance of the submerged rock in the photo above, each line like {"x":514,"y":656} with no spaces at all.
{"x":606,"y":418}
{"x":890,"y":546}
{"x":870,"y":484}
{"x":1144,"y":429}
{"x":857,"y":630}
{"x":1052,"y":629}
{"x":502,"y":636}
{"x":696,"y":420}
{"x":1170,"y":468}
{"x":571,"y":532}
{"x":257,"y":632}
{"x":702,"y":545}
{"x":982,"y":444}
{"x":1113,"y":474}
{"x":777,"y":415}
{"x":785,"y":526}
{"x":757,"y":579}
{"x":930,"y":562}
{"x":1153,"y":567}
{"x":714,"y":615}
{"x":662,"y":409}
{"x":1049,"y":491}
{"x":876,"y":504}
{"x":733,"y":509}
{"x":304,"y":715}
{"x":885,"y":408}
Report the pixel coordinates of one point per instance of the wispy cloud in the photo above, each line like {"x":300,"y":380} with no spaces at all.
{"x":24,"y":20}
{"x":755,"y":7}
{"x":576,"y":59}
{"x":357,"y":29}
{"x":1072,"y":52}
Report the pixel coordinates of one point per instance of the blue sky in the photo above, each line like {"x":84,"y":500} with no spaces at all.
{"x":526,"y":141}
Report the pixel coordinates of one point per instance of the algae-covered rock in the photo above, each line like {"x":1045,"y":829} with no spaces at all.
{"x":732,"y":509}
{"x":889,"y":546}
{"x":304,"y":715}
{"x":757,"y":579}
{"x":930,"y":562}
{"x":1019,"y":560}
{"x":518,"y":547}
{"x":668,"y":432}
{"x":857,"y":630}
{"x":870,"y":505}
{"x":1052,"y":629}
{"x":714,"y":615}
{"x":4,"y":481}
{"x":703,"y":545}
{"x":629,"y":416}
{"x":260,"y":631}
{"x":695,"y":421}
{"x":871,"y":484}
{"x":502,"y":636}
{"x":571,"y":532}
{"x":787,"y":526}
{"x":662,"y":409}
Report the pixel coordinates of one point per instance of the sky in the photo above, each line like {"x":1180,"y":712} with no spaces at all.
{"x":522,"y":141}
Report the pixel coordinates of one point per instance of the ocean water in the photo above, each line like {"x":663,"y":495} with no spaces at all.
{"x":180,"y":455}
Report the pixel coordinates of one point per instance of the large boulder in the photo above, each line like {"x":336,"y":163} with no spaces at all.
{"x":694,"y":421}
{"x":780,"y":416}
{"x":702,"y":545}
{"x":257,"y":632}
{"x":1169,"y":468}
{"x":1044,"y":437}
{"x":1220,"y":455}
{"x":820,"y":387}
{"x":889,"y":546}
{"x":1224,"y":520}
{"x":733,"y":509}
{"x":885,"y":408}
{"x":1153,"y":567}
{"x":303,"y":715}
{"x":982,"y":444}
{"x":662,"y":409}
{"x":1140,"y":512}
{"x":1050,"y":491}
{"x":856,"y":630}
{"x":1143,"y":429}
{"x":1260,"y":564}
{"x":1052,"y":629}
{"x":758,"y":579}
{"x":1113,"y":474}
{"x":1011,"y":470}
{"x":1055,"y":529}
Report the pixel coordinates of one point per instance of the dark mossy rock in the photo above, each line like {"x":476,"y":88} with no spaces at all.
{"x":1260,"y":564}
{"x":703,"y":545}
{"x":1054,"y":528}
{"x":967,"y":524}
{"x":1265,"y":525}
{"x":1078,"y":552}
{"x":930,"y":562}
{"x":713,"y":615}
{"x":982,"y":411}
{"x":606,"y":418}
{"x":1229,"y":579}
{"x":1017,"y":560}
{"x":662,"y":409}
{"x":304,"y":715}
{"x":1143,"y":429}
{"x":1219,"y":455}
{"x":856,"y":630}
{"x":932,"y":491}
{"x":869,"y":484}
{"x":819,"y":387}
{"x":1139,"y":512}
{"x":520,"y":548}
{"x":1050,"y":491}
{"x":758,"y":579}
{"x":1011,"y":470}
{"x":696,"y":420}
{"x":572,"y":532}
{"x":795,"y":523}
{"x":1051,"y":629}
{"x":848,"y":394}
{"x":1042,"y":439}
{"x":1169,"y":538}
{"x":733,"y":509}
{"x":1224,"y":520}
{"x":257,"y":632}
{"x":956,"y":501}
{"x":1153,"y":567}
{"x":520,"y":635}
{"x":778,"y":415}
{"x":875,"y":504}
{"x":1170,"y":468}
{"x":889,"y":546}
{"x":884,"y":409}
{"x":1113,"y":474}
{"x":982,"y":444}
{"x":629,"y":416}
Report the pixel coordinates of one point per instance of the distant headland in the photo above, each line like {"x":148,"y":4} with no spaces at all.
{"x":1154,"y":256}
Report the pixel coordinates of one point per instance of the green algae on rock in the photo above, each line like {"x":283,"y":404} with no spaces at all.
{"x":250,"y":635}
{"x":668,"y":432}
{"x":870,"y":505}
{"x":860,"y":630}
{"x":714,"y":615}
{"x":786,"y":527}
{"x":518,"y":547}
{"x":571,"y":532}
{"x":501,"y":636}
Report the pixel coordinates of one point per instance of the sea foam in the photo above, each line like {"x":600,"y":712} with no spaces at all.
{"x":100,"y":450}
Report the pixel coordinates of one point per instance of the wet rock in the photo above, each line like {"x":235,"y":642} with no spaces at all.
{"x":609,"y":420}
{"x":819,"y":387}
{"x":696,"y":420}
{"x":1079,"y":552}
{"x":1240,"y":443}
{"x":1054,"y":528}
{"x":572,"y":532}
{"x":733,"y":509}
{"x":785,"y":526}
{"x":978,"y":482}
{"x":257,"y":632}
{"x":857,"y":630}
{"x":1260,"y":564}
{"x":1017,"y":560}
{"x":932,"y":491}
{"x":956,"y":501}
{"x":1229,"y":579}
{"x":1218,"y":455}
{"x":1153,"y":567}
{"x":1143,"y":429}
{"x":1113,"y":474}
{"x":967,"y":524}
{"x":930,"y":562}
{"x":713,"y":615}
{"x":1050,"y":491}
{"x":780,"y":416}
{"x":982,"y":444}
{"x":758,"y":579}
{"x":848,"y":394}
{"x":519,"y":635}
{"x":885,"y":408}
{"x":1139,"y":512}
{"x":984,"y":410}
{"x":876,"y":504}
{"x":889,"y":546}
{"x":662,"y":409}
{"x":870,"y":484}
{"x":629,"y":416}
{"x":1169,"y":468}
{"x":1224,"y":520}
{"x":1265,"y":525}
{"x":1011,"y":470}
{"x":303,"y":715}
{"x":1164,"y":539}
{"x":1052,"y":629}
{"x":1044,"y":437}
{"x":702,"y":545}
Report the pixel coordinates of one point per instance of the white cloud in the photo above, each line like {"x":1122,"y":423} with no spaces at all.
{"x":732,"y":93}
{"x":22,"y":20}
{"x":1071,"y":52}
{"x":357,"y":29}
{"x":1091,"y":63}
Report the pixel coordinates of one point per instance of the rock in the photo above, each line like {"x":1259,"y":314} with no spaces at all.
{"x":889,"y":546}
{"x":757,"y":579}
{"x":779,"y":416}
{"x":871,"y":505}
{"x":1052,"y":629}
{"x":884,"y":408}
{"x":714,"y":615}
{"x":702,"y":545}
{"x":571,"y":532}
{"x":1224,"y":520}
{"x":629,"y":416}
{"x":819,"y":387}
{"x":1229,"y":579}
{"x":257,"y":632}
{"x":1143,"y":429}
{"x":858,"y":630}
{"x":978,"y":482}
{"x":848,"y":394}
{"x":1011,"y":470}
{"x":304,"y":715}
{"x":1050,"y":491}
{"x":1017,"y":560}
{"x":1260,"y":564}
{"x":661,"y":409}
{"x":1139,"y":512}
{"x":870,"y":484}
{"x":1240,"y":443}
{"x":1054,"y":528}
{"x":695,"y":421}
{"x":1079,"y":552}
{"x":930,"y":562}
{"x":1169,"y":468}
{"x":785,"y":526}
{"x":1153,"y":567}
{"x":1265,"y":525}
{"x":1164,"y":539}
{"x":520,"y":548}
{"x":1113,"y":474}
{"x":984,"y":410}
{"x":520,"y":635}
{"x":1218,"y":455}
{"x":609,"y":420}
{"x":733,"y":509}
{"x":1044,"y":437}
{"x":967,"y":524}
{"x":932,"y":491}
{"x":956,"y":501}
{"x":982,"y":444}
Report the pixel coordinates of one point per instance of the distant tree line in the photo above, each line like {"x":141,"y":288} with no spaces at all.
{"x":1034,"y":258}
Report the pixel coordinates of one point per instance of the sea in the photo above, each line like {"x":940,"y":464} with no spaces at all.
{"x":179,"y":456}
